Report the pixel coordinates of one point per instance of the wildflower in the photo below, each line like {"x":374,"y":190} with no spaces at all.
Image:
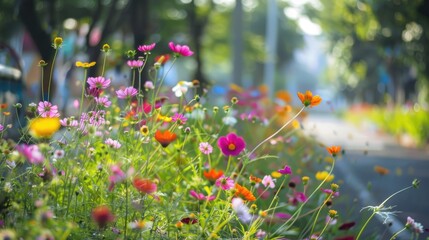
{"x":59,"y":153}
{"x":180,"y":50}
{"x":31,"y":152}
{"x":201,"y":196}
{"x":285,"y":170}
{"x":144,"y":130}
{"x":105,"y":48}
{"x":103,"y":101}
{"x":181,"y":88}
{"x":225,"y":183}
{"x":332,"y":213}
{"x":324,"y":175}
{"x":165,"y":138}
{"x":162,"y":59}
{"x":244,"y":193}
{"x":141,"y":225}
{"x":85,"y":64}
{"x":305,"y":180}
{"x":179,"y":225}
{"x":309,"y":100}
{"x":102,"y":216}
{"x":164,"y":118}
{"x":267,"y":181}
{"x":146,"y":48}
{"x":126,"y":93}
{"x":241,"y":210}
{"x":112,"y":143}
{"x":148,"y":85}
{"x":334,"y":187}
{"x":98,"y":82}
{"x":231,"y":144}
{"x":284,"y":96}
{"x":333,"y":150}
{"x":44,"y":127}
{"x":69,"y":122}
{"x":192,"y":219}
{"x":46,"y":109}
{"x":254,"y":180}
{"x":179,"y":118}
{"x":229,"y":120}
{"x":276,"y":174}
{"x":144,"y":185}
{"x":58,"y":42}
{"x":213,"y":174}
{"x":297,"y":197}
{"x":414,"y":226}
{"x":8,"y":187}
{"x":205,"y":148}
{"x":134,"y":63}
{"x":381,"y":170}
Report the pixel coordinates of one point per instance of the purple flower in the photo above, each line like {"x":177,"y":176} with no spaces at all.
{"x":112,"y":143}
{"x":134,"y":63}
{"x":329,"y":191}
{"x":146,"y":48}
{"x":241,"y":210}
{"x":231,"y":144}
{"x":206,"y":148}
{"x":282,"y":215}
{"x":1,"y":128}
{"x":98,"y":82}
{"x":94,"y":92}
{"x":260,"y":234}
{"x":31,"y":152}
{"x":180,"y":50}
{"x":46,"y":109}
{"x":268,"y":181}
{"x":69,"y":122}
{"x":103,"y":101}
{"x":126,"y":93}
{"x":179,"y":118}
{"x":285,"y":170}
{"x":225,"y":183}
{"x":201,"y":196}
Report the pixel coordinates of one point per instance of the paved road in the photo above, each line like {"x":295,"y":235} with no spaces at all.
{"x":362,"y":185}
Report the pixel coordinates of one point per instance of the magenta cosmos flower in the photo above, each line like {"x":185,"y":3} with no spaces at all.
{"x":46,"y":109}
{"x":201,"y":196}
{"x":146,"y":48}
{"x":225,"y":183}
{"x":285,"y":170}
{"x":231,"y":144}
{"x":134,"y":63}
{"x":98,"y":82}
{"x":180,"y":50}
{"x":126,"y":93}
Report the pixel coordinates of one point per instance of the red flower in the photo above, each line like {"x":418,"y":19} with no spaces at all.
{"x":165,"y":138}
{"x":213,"y":174}
{"x":144,"y":185}
{"x":102,"y":216}
{"x":347,"y":225}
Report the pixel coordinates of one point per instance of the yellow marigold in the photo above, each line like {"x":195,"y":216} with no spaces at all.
{"x":85,"y":64}
{"x":44,"y":127}
{"x":324,"y":174}
{"x":244,"y":193}
{"x":309,"y":100}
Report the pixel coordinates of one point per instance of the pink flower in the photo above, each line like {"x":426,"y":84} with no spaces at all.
{"x":179,"y":118}
{"x":201,"y":196}
{"x":329,"y":191}
{"x":69,"y":122}
{"x":231,"y":144}
{"x":46,"y":109}
{"x":118,"y":175}
{"x":206,"y":148}
{"x":126,"y":93}
{"x":285,"y":170}
{"x":103,"y":101}
{"x":1,"y":128}
{"x":112,"y":143}
{"x":225,"y":183}
{"x":98,"y":82}
{"x":146,"y":48}
{"x":268,"y":181}
{"x":180,"y":50}
{"x":149,"y":85}
{"x":134,"y":63}
{"x":31,"y":152}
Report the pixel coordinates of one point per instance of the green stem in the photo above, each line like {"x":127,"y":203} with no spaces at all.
{"x":397,"y":233}
{"x":104,"y":64}
{"x":323,"y":230}
{"x":134,"y":77}
{"x":126,"y":210}
{"x":83,"y":90}
{"x":318,"y":213}
{"x":52,"y":70}
{"x":364,"y":226}
{"x":43,"y":95}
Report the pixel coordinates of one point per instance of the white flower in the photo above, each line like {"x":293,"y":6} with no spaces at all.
{"x":181,"y":88}
{"x":230,"y":121}
{"x":241,"y":210}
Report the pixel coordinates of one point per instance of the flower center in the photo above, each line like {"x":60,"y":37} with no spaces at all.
{"x":231,"y":146}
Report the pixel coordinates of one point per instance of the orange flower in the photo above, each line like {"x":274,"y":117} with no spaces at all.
{"x":3,"y":106}
{"x":144,"y":185}
{"x":254,"y":179}
{"x":102,"y":216}
{"x":244,"y":193}
{"x":308,"y":99}
{"x":334,"y":150}
{"x":165,"y":138}
{"x":284,"y":95}
{"x":381,"y":170}
{"x":213,"y":175}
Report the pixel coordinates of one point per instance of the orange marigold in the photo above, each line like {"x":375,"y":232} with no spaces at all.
{"x":213,"y":174}
{"x":333,"y":150}
{"x":254,"y":179}
{"x":244,"y":193}
{"x":309,"y":100}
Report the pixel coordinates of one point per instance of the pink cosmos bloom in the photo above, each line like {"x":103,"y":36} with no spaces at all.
{"x":285,"y":170}
{"x":146,"y":48}
{"x":329,"y":191}
{"x":206,"y":148}
{"x":282,"y":215}
{"x":268,"y":181}
{"x":69,"y":122}
{"x":134,"y":63}
{"x":180,"y":50}
{"x":260,"y":234}
{"x":231,"y":144}
{"x":149,"y":85}
{"x":179,"y":118}
{"x":103,"y":101}
{"x":118,"y":175}
{"x":46,"y":109}
{"x":225,"y":183}
{"x":94,"y":92}
{"x":31,"y":152}
{"x":126,"y":93}
{"x":98,"y":82}
{"x":1,"y":128}
{"x":414,"y":226}
{"x":112,"y":143}
{"x":201,"y":196}
{"x":297,"y":197}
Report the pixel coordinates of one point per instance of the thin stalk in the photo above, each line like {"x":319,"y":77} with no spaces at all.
{"x":318,"y":213}
{"x":104,"y":64}
{"x":52,"y":70}
{"x":83,"y":90}
{"x":397,"y":233}
{"x":323,"y":230}
{"x":41,"y":87}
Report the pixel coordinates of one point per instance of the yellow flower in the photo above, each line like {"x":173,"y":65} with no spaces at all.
{"x":85,"y":64}
{"x":305,"y":180}
{"x":58,"y":41}
{"x":164,"y":118}
{"x":332,"y":213}
{"x":276,"y":174}
{"x":44,"y":127}
{"x":106,"y":48}
{"x":144,"y":130}
{"x":324,"y":174}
